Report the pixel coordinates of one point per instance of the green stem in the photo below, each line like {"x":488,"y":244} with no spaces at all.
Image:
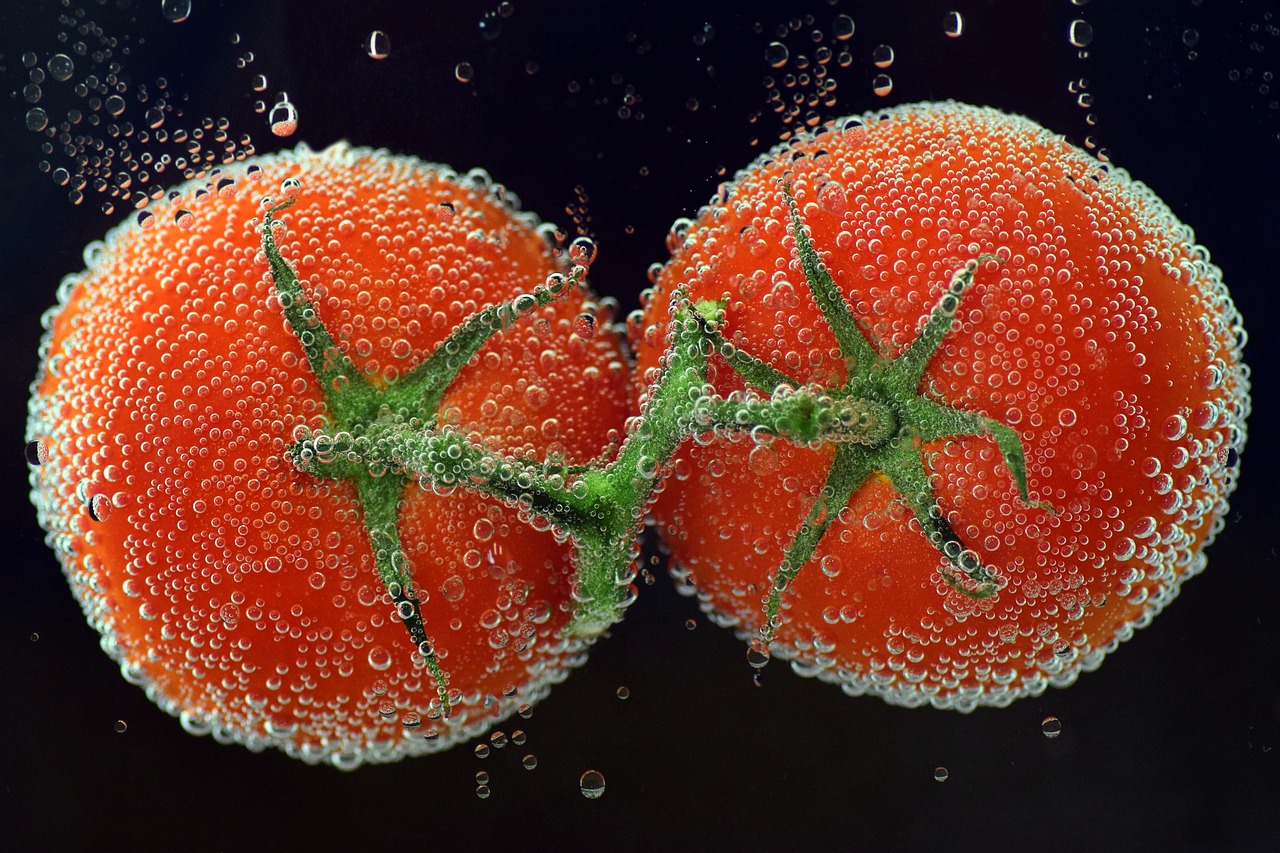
{"x":386,"y":437}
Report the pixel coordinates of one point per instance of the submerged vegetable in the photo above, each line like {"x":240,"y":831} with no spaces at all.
{"x":243,"y":593}
{"x":1009,"y":300}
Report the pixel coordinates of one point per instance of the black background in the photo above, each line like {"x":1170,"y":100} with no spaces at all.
{"x":1174,"y":744}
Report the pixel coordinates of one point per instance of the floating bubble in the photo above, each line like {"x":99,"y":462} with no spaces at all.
{"x":37,"y":452}
{"x":463,"y":72}
{"x":1051,"y":727}
{"x":776,"y":54}
{"x":283,"y":117}
{"x":379,"y":45}
{"x":175,"y":11}
{"x":61,"y":67}
{"x":591,"y":784}
{"x":37,"y":119}
{"x":1080,"y":33}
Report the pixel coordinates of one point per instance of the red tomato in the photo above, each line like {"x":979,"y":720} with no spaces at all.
{"x":1104,"y":337}
{"x":237,"y":590}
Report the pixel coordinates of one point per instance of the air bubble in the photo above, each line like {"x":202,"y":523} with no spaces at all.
{"x":940,"y":774}
{"x":37,"y":120}
{"x":953,"y":25}
{"x":758,"y":654}
{"x":37,"y":452}
{"x":776,"y":54}
{"x":184,"y":219}
{"x":283,"y":117}
{"x":591,"y":784}
{"x":1051,"y":727}
{"x":1080,"y":33}
{"x":584,"y":325}
{"x":623,"y":692}
{"x":463,"y":72}
{"x":882,"y":56}
{"x":61,"y":67}
{"x":175,"y":11}
{"x":379,"y":658}
{"x":882,"y":85}
{"x":842,"y":27}
{"x":529,"y":761}
{"x":121,"y":727}
{"x":379,"y":45}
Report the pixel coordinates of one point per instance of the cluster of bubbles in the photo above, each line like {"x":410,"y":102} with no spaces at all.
{"x":105,"y":136}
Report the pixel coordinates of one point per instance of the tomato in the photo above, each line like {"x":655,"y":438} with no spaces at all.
{"x":240,"y":591}
{"x":1093,"y":328}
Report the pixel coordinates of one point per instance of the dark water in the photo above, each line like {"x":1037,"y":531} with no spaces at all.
{"x":1174,"y":744}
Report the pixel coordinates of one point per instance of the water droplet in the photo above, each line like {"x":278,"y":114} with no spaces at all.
{"x":482,"y":750}
{"x":184,"y":219}
{"x":463,"y":72}
{"x":1190,"y":37}
{"x":121,"y":726}
{"x":842,"y":27}
{"x":175,"y":11}
{"x":592,"y":784}
{"x":379,"y":45}
{"x":882,"y":56}
{"x":482,"y":791}
{"x":882,"y":85}
{"x":1051,"y":727}
{"x":623,"y":692}
{"x":35,"y":637}
{"x":529,"y":761}
{"x":940,"y":773}
{"x":776,"y":54}
{"x":953,"y":25}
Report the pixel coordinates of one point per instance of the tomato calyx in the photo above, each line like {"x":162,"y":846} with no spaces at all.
{"x":878,"y":419}
{"x":889,"y":385}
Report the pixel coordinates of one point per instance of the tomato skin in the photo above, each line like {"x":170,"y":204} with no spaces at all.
{"x":1104,"y":337}
{"x":241,"y":592}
